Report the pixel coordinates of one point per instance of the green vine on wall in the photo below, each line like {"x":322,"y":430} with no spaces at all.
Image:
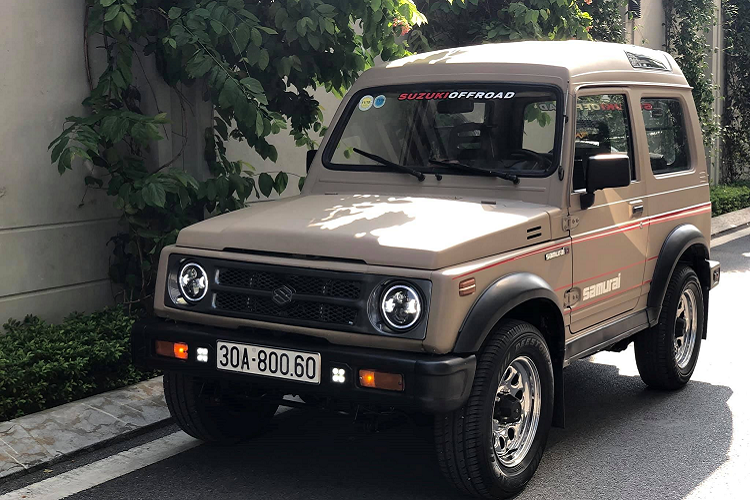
{"x":736,"y":119}
{"x":255,"y":62}
{"x":608,"y":21}
{"x":687,"y":24}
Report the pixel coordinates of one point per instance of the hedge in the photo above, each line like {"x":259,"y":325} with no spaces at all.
{"x":729,"y":197}
{"x":44,"y":365}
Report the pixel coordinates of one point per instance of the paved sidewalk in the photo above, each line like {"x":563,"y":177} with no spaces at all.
{"x":29,"y":442}
{"x":729,"y":222}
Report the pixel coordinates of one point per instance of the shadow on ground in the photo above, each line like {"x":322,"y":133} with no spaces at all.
{"x":621,"y":441}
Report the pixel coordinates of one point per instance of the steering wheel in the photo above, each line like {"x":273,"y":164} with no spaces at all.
{"x":539,"y":157}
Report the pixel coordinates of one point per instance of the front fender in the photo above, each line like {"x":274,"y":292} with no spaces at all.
{"x":495,"y":302}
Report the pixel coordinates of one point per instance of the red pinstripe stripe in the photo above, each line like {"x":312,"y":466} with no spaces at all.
{"x":629,"y":226}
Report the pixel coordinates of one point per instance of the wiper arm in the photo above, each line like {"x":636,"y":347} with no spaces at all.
{"x":463,"y":166}
{"x":403,"y":168}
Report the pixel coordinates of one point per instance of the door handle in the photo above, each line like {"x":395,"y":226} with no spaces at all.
{"x":636,"y":208}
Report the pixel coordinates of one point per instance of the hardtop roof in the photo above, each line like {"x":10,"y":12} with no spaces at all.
{"x":576,"y":61}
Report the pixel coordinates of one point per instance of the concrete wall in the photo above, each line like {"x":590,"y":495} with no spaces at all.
{"x":54,"y":255}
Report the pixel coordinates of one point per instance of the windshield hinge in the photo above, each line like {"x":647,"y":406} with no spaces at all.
{"x":570,"y":222}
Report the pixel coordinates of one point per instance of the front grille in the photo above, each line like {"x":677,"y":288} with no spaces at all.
{"x":297,"y":309}
{"x":301,"y":284}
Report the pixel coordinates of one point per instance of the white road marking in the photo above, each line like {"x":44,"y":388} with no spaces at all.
{"x":80,"y":479}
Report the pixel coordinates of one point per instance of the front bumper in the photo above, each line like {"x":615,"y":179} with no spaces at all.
{"x":433,"y":384}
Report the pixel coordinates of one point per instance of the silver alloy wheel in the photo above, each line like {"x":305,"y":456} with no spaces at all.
{"x":512,"y":440}
{"x":686,"y":328}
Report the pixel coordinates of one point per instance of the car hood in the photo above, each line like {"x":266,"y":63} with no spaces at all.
{"x":414,"y":232}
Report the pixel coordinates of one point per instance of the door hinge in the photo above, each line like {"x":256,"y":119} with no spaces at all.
{"x":570,"y":222}
{"x":571,"y":297}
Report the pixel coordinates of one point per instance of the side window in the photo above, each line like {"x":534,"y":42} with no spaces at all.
{"x":602,"y":127}
{"x":667,"y":136}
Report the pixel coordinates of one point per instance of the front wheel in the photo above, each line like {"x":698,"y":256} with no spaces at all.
{"x":491,"y":447}
{"x":203,"y":410}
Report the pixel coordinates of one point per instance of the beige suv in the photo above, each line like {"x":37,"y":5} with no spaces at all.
{"x":476,"y":219}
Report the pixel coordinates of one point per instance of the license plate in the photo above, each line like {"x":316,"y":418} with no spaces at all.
{"x":268,"y":362}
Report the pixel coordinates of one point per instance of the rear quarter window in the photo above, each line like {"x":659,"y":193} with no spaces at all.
{"x":667,"y":135}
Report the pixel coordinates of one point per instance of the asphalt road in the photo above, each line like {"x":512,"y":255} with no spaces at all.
{"x":622,"y":440}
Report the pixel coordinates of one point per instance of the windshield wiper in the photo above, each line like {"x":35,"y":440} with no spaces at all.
{"x":469,"y":168}
{"x":403,"y":168}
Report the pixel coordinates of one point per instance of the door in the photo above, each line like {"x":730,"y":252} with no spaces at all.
{"x":610,"y":238}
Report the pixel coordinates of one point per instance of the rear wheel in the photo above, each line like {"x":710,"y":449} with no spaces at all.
{"x":666,"y":354}
{"x":491,"y":447}
{"x":201,"y":409}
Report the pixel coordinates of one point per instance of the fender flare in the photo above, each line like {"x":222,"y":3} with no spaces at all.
{"x":495,"y":302}
{"x":676,"y":243}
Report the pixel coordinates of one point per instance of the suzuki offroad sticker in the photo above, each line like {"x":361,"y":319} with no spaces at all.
{"x":606,"y":286}
{"x":365,"y":103}
{"x":455,"y":95}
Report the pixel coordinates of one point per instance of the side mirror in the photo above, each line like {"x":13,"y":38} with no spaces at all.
{"x":310,"y":157}
{"x":605,"y":171}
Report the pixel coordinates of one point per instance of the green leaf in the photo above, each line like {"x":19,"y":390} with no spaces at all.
{"x":281,"y":182}
{"x":93,"y":181}
{"x":263,"y":59}
{"x":184,"y":196}
{"x":253,"y":85}
{"x":175,"y":12}
{"x":217,"y":26}
{"x":242,"y":37}
{"x":259,"y":124}
{"x":301,"y":183}
{"x":154,"y":195}
{"x":59,"y":149}
{"x":375,"y":5}
{"x":268,"y":30}
{"x":257,"y":37}
{"x":106,"y":3}
{"x":265,"y":184}
{"x":126,"y":21}
{"x":112,"y":13}
{"x":280,"y":17}
{"x":211,"y":190}
{"x":326,"y":9}
{"x":301,"y":27}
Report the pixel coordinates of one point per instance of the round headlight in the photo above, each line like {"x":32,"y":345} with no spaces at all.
{"x":193,"y":282}
{"x":400,"y":307}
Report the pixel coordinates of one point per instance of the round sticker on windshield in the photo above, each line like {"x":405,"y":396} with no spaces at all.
{"x":365,"y":103}
{"x":379,"y":101}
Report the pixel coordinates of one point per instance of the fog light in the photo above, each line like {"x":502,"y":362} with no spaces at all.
{"x":381,"y":380}
{"x":177,"y":350}
{"x":201,"y":355}
{"x":338,"y":375}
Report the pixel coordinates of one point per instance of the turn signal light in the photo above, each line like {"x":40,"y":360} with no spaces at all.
{"x":467,"y":287}
{"x":381,"y":380}
{"x":177,"y":350}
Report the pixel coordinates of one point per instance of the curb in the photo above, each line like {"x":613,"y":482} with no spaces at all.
{"x":34,"y":441}
{"x":732,"y":221}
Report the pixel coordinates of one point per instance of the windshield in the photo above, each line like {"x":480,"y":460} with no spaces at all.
{"x":496,"y":127}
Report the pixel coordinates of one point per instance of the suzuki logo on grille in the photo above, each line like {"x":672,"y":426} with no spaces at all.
{"x":283,"y":295}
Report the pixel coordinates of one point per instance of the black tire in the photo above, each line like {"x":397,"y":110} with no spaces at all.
{"x":656,"y":349}
{"x":464,"y":438}
{"x":200,"y":409}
